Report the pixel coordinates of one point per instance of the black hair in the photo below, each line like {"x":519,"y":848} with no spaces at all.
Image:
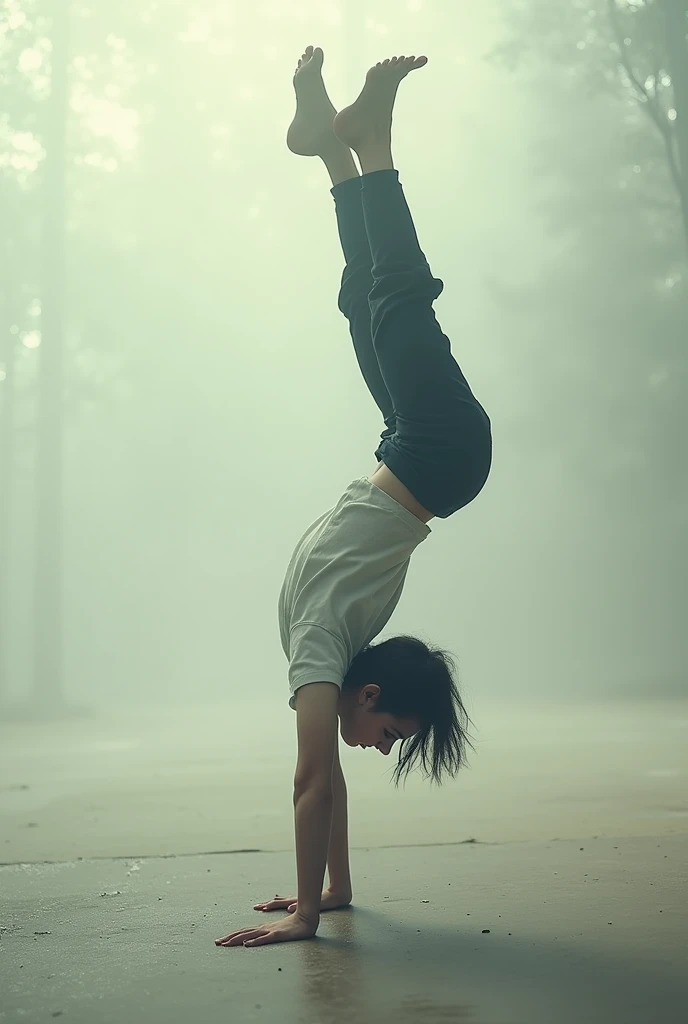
{"x":417,"y":681}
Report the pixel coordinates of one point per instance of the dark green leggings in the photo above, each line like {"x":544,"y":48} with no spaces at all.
{"x":437,"y":438}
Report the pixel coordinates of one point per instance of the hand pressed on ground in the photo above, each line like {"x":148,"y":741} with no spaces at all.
{"x":289,"y":929}
{"x":330,"y":900}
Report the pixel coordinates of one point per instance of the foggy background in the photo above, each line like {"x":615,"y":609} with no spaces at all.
{"x":175,"y":376}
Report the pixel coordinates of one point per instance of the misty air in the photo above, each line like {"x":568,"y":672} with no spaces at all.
{"x":343,"y":511}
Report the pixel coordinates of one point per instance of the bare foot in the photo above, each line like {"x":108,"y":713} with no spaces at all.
{"x":369,"y":119}
{"x":310,"y":133}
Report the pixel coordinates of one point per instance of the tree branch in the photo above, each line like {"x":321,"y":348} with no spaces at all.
{"x":652,"y":105}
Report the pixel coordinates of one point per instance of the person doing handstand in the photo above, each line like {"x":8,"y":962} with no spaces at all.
{"x":347,"y":572}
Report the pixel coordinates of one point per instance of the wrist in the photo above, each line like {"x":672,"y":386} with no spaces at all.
{"x":343,"y":889}
{"x":309,"y":917}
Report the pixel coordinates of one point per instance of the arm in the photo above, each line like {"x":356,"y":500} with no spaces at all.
{"x":316,"y":724}
{"x":338,"y":849}
{"x":312,"y":817}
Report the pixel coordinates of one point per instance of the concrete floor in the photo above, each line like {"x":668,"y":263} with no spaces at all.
{"x":590,"y":927}
{"x":595,"y":934}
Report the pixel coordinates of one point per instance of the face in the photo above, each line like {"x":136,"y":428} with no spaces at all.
{"x":361,"y":726}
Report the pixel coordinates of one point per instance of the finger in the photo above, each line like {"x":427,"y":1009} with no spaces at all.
{"x":278,"y":901}
{"x":292,"y":908}
{"x":272,"y":905}
{"x":233,"y":935}
{"x":240,"y":937}
{"x":224,"y":941}
{"x":261,"y":940}
{"x":265,"y":903}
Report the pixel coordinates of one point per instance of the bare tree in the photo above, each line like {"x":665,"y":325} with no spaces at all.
{"x":671,"y":58}
{"x":676,"y":24}
{"x":9,"y":290}
{"x":48,"y":666}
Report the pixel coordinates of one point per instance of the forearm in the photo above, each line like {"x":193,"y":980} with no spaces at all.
{"x":312,"y":821}
{"x":338,"y":849}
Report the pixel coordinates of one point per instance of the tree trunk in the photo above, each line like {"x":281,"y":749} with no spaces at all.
{"x":7,"y":346}
{"x":48,"y":668}
{"x":676,"y":22}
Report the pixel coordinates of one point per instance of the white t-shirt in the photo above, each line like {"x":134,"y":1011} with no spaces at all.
{"x":343,"y":582}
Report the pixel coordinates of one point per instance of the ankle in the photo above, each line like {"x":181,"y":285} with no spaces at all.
{"x":339,"y":161}
{"x":375,"y":157}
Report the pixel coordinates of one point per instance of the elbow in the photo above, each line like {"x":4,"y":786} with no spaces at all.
{"x":315,"y":787}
